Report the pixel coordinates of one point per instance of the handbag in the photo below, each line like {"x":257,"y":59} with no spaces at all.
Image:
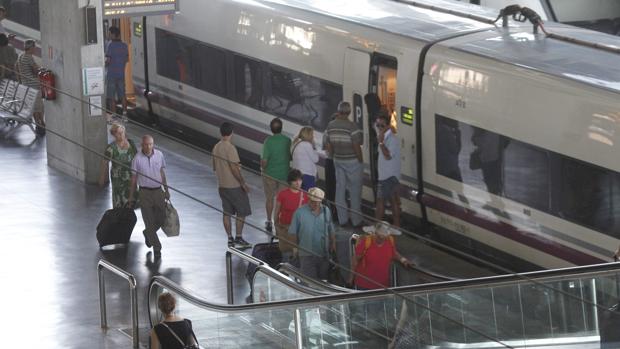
{"x":185,"y":346}
{"x":171,"y":226}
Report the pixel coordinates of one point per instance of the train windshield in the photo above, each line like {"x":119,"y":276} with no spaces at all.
{"x":599,"y":15}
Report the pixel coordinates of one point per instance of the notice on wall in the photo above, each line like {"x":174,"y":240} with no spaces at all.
{"x":94,"y":81}
{"x":96,"y":105}
{"x":136,"y":8}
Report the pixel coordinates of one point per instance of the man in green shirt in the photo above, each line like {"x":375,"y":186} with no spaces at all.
{"x":275,"y":165}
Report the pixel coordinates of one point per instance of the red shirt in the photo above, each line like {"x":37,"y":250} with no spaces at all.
{"x":375,"y":265}
{"x":289,"y":202}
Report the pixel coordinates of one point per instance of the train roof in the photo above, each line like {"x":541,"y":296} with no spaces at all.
{"x":515,"y":45}
{"x":395,"y":17}
{"x":551,"y":56}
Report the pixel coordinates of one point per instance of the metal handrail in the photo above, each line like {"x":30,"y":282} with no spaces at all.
{"x":423,"y":271}
{"x":132,"y":293}
{"x":433,"y":274}
{"x":373,"y":294}
{"x":245,"y":256}
{"x":327,"y":287}
{"x":282,"y":278}
{"x":496,"y":280}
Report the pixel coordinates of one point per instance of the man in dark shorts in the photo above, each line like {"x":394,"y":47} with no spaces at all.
{"x":231,"y":186}
{"x":116,"y":58}
{"x":388,"y":187}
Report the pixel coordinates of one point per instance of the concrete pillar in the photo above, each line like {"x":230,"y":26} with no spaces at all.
{"x":63,"y":50}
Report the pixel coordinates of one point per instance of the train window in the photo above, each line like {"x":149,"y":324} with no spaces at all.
{"x":523,"y":161}
{"x":208,"y":69}
{"x":448,"y":147}
{"x":188,"y":61}
{"x":454,"y":148}
{"x":492,"y":162}
{"x":590,"y":196}
{"x":248,"y":82}
{"x":289,"y":94}
{"x":24,"y":12}
{"x":301,"y":98}
{"x":174,"y":56}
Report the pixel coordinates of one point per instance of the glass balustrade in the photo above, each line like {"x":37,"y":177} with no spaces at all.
{"x":266,"y":288}
{"x":564,"y":308}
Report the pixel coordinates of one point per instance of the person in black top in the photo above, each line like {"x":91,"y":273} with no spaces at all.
{"x":173,"y":330}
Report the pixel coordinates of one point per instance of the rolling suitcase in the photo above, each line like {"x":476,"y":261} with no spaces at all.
{"x":266,"y":252}
{"x":116,"y":226}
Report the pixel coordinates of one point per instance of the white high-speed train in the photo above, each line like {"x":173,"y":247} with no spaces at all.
{"x":510,"y":139}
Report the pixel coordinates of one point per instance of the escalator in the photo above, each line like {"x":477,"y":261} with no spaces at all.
{"x":564,"y":308}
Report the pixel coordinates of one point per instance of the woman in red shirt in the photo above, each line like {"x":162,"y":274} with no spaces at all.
{"x":287,"y":202}
{"x":373,"y":255}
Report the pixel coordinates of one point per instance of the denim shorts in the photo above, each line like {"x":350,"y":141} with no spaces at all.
{"x":115,"y":88}
{"x":388,"y":187}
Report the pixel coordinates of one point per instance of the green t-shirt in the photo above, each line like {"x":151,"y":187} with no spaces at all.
{"x":277,"y":153}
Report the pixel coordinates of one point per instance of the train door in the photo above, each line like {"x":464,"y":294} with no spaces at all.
{"x":382,"y":96}
{"x":355,"y":87}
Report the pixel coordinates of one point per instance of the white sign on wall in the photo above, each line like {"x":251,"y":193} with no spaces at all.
{"x":94,"y":81}
{"x":95,"y":105}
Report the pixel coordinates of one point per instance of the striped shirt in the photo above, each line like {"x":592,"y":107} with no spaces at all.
{"x":342,"y":135}
{"x":27,"y":74}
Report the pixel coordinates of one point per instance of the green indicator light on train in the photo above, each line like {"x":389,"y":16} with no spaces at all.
{"x":406,"y":115}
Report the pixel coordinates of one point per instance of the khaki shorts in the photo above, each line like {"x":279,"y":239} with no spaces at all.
{"x":235,"y":201}
{"x":271,"y":187}
{"x":290,"y":242}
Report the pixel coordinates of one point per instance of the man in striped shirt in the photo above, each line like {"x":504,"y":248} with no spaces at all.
{"x":28,"y":72}
{"x":344,"y":144}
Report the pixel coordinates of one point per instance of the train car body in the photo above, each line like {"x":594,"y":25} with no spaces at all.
{"x":508,"y":138}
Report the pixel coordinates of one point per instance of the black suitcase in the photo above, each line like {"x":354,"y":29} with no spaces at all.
{"x":116,"y":226}
{"x":266,"y":252}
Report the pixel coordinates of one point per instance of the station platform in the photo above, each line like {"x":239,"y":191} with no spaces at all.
{"x":50,"y":252}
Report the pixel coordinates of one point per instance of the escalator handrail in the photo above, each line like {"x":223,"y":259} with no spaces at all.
{"x":245,"y":256}
{"x":264,"y":268}
{"x":282,"y":278}
{"x":432,"y":274}
{"x":198,"y":301}
{"x":327,"y":287}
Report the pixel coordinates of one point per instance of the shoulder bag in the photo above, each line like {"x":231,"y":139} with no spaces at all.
{"x":171,"y":225}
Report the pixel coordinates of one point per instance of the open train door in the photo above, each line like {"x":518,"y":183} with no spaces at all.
{"x":355,"y":87}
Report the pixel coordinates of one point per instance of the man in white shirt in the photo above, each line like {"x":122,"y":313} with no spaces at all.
{"x":148,"y":167}
{"x":388,"y":187}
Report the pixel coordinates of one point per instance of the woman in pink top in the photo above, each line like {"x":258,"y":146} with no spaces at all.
{"x":287,"y":202}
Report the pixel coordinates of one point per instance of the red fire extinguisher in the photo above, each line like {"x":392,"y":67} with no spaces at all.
{"x":48,"y":84}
